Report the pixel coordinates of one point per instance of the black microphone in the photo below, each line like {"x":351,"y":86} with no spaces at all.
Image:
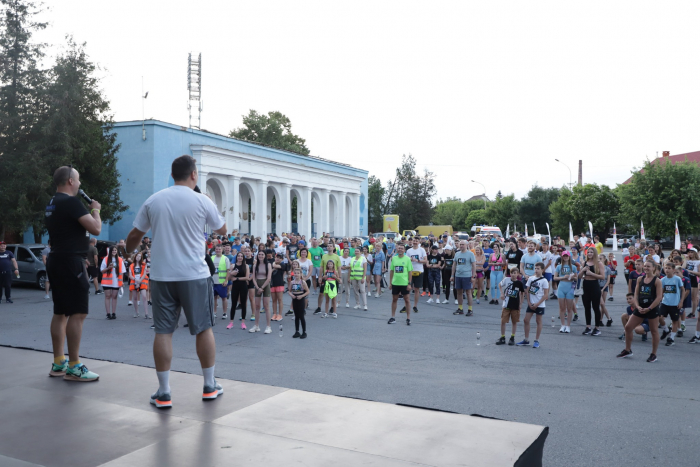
{"x":85,"y":197}
{"x":197,"y":190}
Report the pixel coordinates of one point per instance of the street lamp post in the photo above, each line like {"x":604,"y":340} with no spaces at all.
{"x":473,"y":181}
{"x":571,"y":184}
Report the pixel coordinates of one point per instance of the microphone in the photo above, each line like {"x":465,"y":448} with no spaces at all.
{"x":85,"y":197}
{"x":197,"y":190}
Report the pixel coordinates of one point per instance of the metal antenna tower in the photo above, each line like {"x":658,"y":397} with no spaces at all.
{"x":194,"y":86}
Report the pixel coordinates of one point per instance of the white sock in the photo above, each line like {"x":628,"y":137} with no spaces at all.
{"x":672,"y":336}
{"x":209,"y":377}
{"x":697,"y":334}
{"x":682,"y":323}
{"x":163,"y":381}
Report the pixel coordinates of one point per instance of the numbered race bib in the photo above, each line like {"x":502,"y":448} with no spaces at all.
{"x":415,"y":257}
{"x":398,"y":269}
{"x":433,"y":261}
{"x":461,"y":260}
{"x":534,"y":289}
{"x":529,"y":267}
{"x":513,"y":293}
{"x":317,"y":258}
{"x":671,"y":288}
{"x":296,"y":288}
{"x":497,"y":267}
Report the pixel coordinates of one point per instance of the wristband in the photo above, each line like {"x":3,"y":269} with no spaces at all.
{"x":93,"y":210}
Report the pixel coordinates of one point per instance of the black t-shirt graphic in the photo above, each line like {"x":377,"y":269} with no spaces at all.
{"x":67,"y":236}
{"x":512,"y":293}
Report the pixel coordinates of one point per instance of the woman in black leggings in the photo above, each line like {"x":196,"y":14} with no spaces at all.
{"x":239,"y":288}
{"x":448,"y":254}
{"x":298,"y":291}
{"x":591,"y":273}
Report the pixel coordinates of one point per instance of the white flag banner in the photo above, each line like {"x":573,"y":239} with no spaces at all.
{"x":677,"y":240}
{"x":614,"y":237}
{"x":642,"y":232}
{"x":590,"y":227}
{"x":571,"y":233}
{"x":549,"y":234}
{"x":526,"y":229}
{"x":534,"y":230}
{"x":507,"y":231}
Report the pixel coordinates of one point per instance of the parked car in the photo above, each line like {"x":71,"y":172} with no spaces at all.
{"x":30,"y":264}
{"x":386,"y":235}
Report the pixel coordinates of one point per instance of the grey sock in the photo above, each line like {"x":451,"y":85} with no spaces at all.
{"x":209,"y":376}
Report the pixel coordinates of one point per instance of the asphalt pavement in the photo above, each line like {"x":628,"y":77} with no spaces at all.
{"x":600,"y":410}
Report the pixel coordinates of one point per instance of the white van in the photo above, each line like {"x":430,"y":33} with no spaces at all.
{"x":487,"y":230}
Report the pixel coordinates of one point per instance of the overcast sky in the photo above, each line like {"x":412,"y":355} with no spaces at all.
{"x":491,"y":91}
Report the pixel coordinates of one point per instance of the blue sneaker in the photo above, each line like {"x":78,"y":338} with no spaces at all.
{"x":211,"y":393}
{"x":536,"y":345}
{"x":59,"y":370}
{"x":523,"y":342}
{"x":80,"y":373}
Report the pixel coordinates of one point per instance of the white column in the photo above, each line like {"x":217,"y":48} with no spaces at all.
{"x":234,"y":201}
{"x":259,"y":223}
{"x":323,"y":212}
{"x":202,"y":181}
{"x":355,"y":216}
{"x":284,"y":209}
{"x":342,"y":228}
{"x":304,"y":212}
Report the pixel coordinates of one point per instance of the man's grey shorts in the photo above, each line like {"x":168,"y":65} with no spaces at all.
{"x":462,"y":283}
{"x":315,"y":272}
{"x":194,"y":297}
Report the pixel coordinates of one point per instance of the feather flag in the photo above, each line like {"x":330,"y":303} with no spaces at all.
{"x":571,"y":233}
{"x":642,"y":232}
{"x":590,"y":227}
{"x":534,"y":230}
{"x":549,"y":234}
{"x":614,"y":246}
{"x":507,"y":231}
{"x":526,"y":229}
{"x":677,"y":240}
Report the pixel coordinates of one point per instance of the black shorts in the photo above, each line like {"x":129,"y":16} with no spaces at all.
{"x":651,"y":314}
{"x":69,"y":281}
{"x":93,"y":272}
{"x":399,"y":290}
{"x":665,"y":310}
{"x":417,"y":281}
{"x":487,"y":273}
{"x":612,"y":280}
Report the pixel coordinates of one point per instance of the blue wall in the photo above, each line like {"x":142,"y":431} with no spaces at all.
{"x":145,"y":165}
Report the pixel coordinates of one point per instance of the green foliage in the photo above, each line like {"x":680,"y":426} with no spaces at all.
{"x":595,"y":203}
{"x":449,"y":212}
{"x":502,"y":211}
{"x":273,"y":129}
{"x":660,"y":194}
{"x":476,"y":217}
{"x":375,"y":204}
{"x":534,"y":207}
{"x":410,"y":195}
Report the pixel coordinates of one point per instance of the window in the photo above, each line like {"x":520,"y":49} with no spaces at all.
{"x":24,"y":255}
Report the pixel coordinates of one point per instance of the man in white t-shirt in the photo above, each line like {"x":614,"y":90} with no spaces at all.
{"x":180,"y":277}
{"x":418,"y":258}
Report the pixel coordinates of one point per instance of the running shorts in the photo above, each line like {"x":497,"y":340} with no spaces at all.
{"x":194,"y":297}
{"x":69,"y":280}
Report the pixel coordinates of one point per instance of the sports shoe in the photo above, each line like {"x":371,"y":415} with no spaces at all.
{"x":214,"y":315}
{"x":325,"y":315}
{"x":478,"y":302}
{"x":80,"y":373}
{"x":682,"y":327}
{"x":622,"y":336}
{"x":430,"y":300}
{"x":609,"y":323}
{"x":652,"y":358}
{"x":9,"y":301}
{"x":211,"y":393}
{"x":415,"y":309}
{"x":586,"y":331}
{"x":60,"y":370}
{"x":422,"y":294}
{"x":289,"y":313}
{"x":670,"y":342}
{"x":511,"y":341}
{"x":303,"y":335}
{"x":356,"y":307}
{"x":114,"y":316}
{"x":161,"y":401}
{"x":562,"y":329}
{"x":596,"y":332}
{"x":408,"y":322}
{"x":136,"y":315}
{"x":376,"y":295}
{"x":391,"y":321}
{"x":523,"y":342}
{"x":230,"y":325}
{"x":624,"y":354}
{"x":403,"y":310}
{"x":445,"y":301}
{"x":369,"y":294}
{"x":458,"y":312}
{"x":644,"y":337}
{"x":536,"y":345}
{"x":334,"y":315}
{"x":254,"y":329}
{"x":456,"y":302}
{"x":575,"y":317}
{"x":46,"y":297}
{"x":243,"y":325}
{"x":318,"y":311}
{"x":100,"y":292}
{"x":552,"y":296}
{"x":268,"y":330}
{"x":365,"y":309}
{"x":130,"y":303}
{"x":692,"y":315}
{"x":296,"y":334}
{"x":567,"y":330}
{"x":347,"y":305}
{"x":665,"y":334}
{"x":252,"y":318}
{"x":501,"y":340}
{"x":224,"y":316}
{"x":150,"y":303}
{"x":470,"y":313}
{"x":610,"y":299}
{"x":679,"y":334}
{"x":694,"y":340}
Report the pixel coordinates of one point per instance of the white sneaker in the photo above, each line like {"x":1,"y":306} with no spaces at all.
{"x":430,"y":300}
{"x":130,"y":303}
{"x":365,"y":308}
{"x":375,"y":295}
{"x":444,"y":301}
{"x":567,"y":330}
{"x":268,"y":330}
{"x":562,"y":329}
{"x":347,"y":305}
{"x":138,"y":303}
{"x":369,"y":294}
{"x":325,"y":315}
{"x":254,"y":329}
{"x":46,"y":297}
{"x":356,"y":307}
{"x":456,"y":302}
{"x":335,"y":315}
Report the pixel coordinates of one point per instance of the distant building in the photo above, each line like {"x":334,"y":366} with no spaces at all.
{"x":481,"y":197}
{"x":690,"y":156}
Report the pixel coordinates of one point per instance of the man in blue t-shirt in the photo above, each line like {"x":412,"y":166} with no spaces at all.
{"x":463,"y":275}
{"x":529,"y":260}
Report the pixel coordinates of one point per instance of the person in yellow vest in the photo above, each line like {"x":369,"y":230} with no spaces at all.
{"x":220,"y":277}
{"x":112,"y":273}
{"x":358,"y":271}
{"x":138,"y":275}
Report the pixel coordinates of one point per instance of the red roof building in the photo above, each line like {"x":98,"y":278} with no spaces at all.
{"x":690,"y":156}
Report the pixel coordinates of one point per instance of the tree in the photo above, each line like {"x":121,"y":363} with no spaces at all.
{"x":76,"y":128}
{"x":375,"y":204}
{"x":595,"y":203}
{"x":409,"y":195}
{"x":446,"y":212}
{"x":534,"y":207}
{"x":273,"y":129}
{"x":661,"y":194}
{"x":476,"y":217}
{"x":502,"y":211}
{"x":21,"y":83}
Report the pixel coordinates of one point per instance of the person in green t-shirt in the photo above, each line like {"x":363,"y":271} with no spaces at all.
{"x":315,"y":254}
{"x":400,"y":270}
{"x":330,"y":256}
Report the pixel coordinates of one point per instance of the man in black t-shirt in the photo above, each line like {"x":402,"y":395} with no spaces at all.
{"x":8,"y":266}
{"x":68,"y":222}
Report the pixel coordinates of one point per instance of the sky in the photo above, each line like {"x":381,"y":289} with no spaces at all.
{"x":487,"y":91}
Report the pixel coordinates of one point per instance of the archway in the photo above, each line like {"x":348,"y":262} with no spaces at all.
{"x":315,"y":214}
{"x":274,"y":210}
{"x":349,"y":225}
{"x":245,"y":208}
{"x":332,"y":210}
{"x":216,"y":191}
{"x":294,"y":208}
